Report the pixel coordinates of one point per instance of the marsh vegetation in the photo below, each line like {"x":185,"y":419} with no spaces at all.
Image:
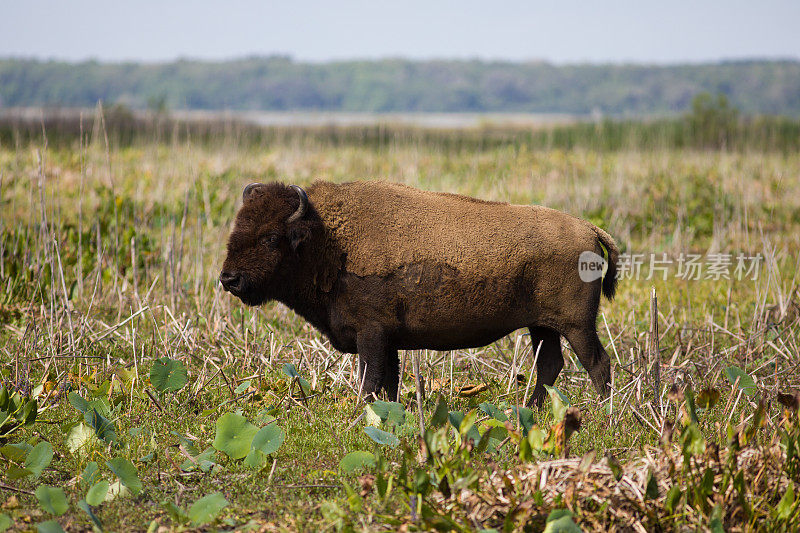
{"x":159,"y":401}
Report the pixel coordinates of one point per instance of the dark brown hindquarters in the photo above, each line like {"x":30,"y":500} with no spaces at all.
{"x":582,"y":337}
{"x":586,"y":345}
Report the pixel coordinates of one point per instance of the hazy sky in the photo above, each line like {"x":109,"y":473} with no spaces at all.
{"x":554,"y":30}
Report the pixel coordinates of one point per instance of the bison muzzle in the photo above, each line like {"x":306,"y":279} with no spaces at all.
{"x":379,"y":267}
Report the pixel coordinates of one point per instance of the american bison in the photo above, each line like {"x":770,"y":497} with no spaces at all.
{"x":379,"y":267}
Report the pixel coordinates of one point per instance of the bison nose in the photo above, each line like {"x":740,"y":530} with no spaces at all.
{"x":230,"y":280}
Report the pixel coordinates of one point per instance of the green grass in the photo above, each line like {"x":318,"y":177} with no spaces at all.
{"x":70,"y":273}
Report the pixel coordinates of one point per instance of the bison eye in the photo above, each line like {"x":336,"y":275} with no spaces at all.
{"x":270,"y":239}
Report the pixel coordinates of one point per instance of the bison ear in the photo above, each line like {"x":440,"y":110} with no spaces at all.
{"x":298,"y":233}
{"x":249,"y":189}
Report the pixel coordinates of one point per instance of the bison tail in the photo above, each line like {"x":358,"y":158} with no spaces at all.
{"x":610,"y":279}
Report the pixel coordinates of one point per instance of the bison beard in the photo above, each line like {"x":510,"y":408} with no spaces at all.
{"x":379,"y":267}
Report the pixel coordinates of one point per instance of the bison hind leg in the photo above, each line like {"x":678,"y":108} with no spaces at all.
{"x":593,"y":357}
{"x":391,"y":375}
{"x":549,"y":362}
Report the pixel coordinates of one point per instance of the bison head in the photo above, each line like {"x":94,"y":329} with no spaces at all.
{"x":263,"y":246}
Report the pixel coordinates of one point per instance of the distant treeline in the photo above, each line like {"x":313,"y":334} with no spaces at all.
{"x":712,"y":124}
{"x":279,"y":83}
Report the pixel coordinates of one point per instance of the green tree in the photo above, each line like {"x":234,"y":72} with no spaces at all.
{"x":713,"y":121}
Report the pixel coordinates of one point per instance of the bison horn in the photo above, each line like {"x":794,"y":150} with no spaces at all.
{"x":301,"y":210}
{"x":247,"y":190}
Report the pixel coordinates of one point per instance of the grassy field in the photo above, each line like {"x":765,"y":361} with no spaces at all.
{"x":109,"y":258}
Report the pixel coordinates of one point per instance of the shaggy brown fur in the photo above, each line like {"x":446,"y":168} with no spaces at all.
{"x":379,"y":267}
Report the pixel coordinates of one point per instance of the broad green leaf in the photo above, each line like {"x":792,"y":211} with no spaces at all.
{"x":614,"y":466}
{"x":97,"y":494}
{"x":115,"y":490}
{"x":495,"y":428}
{"x":786,"y":504}
{"x":234,"y":435}
{"x":707,"y":482}
{"x":688,"y":395}
{"x":380,"y":408}
{"x":746,"y":382}
{"x":673,"y":498}
{"x":440,"y":415}
{"x":305,"y":385}
{"x":708,"y":398}
{"x":14,"y":472}
{"x":93,"y":517}
{"x":51,"y":526}
{"x":371,"y":418}
{"x":268,"y":439}
{"x":168,"y":375}
{"x":467,"y":422}
{"x":381,"y":437}
{"x":558,"y":402}
{"x":207,"y":508}
{"x":467,"y":428}
{"x":78,"y":402}
{"x":693,"y":441}
{"x":715,"y":524}
{"x":81,"y":439}
{"x":175,"y":513}
{"x":39,"y":458}
{"x":525,"y":418}
{"x":290,"y":370}
{"x":101,"y":405}
{"x":483,"y":444}
{"x":455,"y":418}
{"x":204,"y":461}
{"x":29,"y":412}
{"x":126,"y":472}
{"x":52,"y":499}
{"x":16,"y":452}
{"x":393,"y":413}
{"x":356,"y":460}
{"x":397,"y":415}
{"x":493,"y":411}
{"x":7,"y":424}
{"x":437,"y":440}
{"x":5,"y":522}
{"x":103,"y":427}
{"x":91,"y":474}
{"x":188,"y":444}
{"x":255,"y":459}
{"x":651,"y":488}
{"x":560,"y":521}
{"x":536,"y":438}
{"x":242,"y":387}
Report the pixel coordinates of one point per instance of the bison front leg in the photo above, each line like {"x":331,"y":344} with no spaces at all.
{"x":372,"y":356}
{"x":549,"y":362}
